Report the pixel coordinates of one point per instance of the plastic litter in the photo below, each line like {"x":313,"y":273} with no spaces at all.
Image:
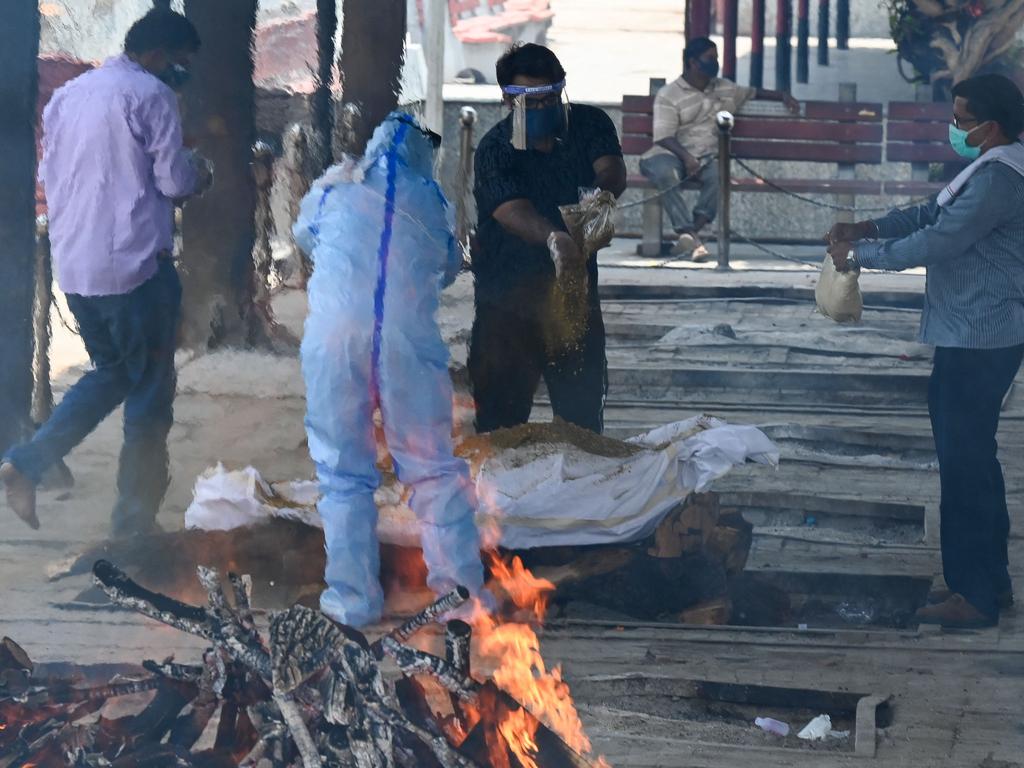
{"x":837,"y":294}
{"x":772,"y":725}
{"x":816,"y":730}
{"x":856,"y":613}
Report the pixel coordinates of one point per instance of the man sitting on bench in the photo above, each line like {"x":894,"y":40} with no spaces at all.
{"x":686,"y":140}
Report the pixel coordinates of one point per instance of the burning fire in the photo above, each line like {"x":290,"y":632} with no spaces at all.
{"x":520,"y":670}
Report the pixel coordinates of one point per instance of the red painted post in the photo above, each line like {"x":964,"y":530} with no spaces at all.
{"x":730,"y":24}
{"x":823,"y":25}
{"x":699,"y":22}
{"x":757,"y":45}
{"x":803,"y":33}
{"x":783,"y":45}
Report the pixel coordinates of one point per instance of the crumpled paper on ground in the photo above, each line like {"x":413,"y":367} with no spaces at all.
{"x":531,"y":496}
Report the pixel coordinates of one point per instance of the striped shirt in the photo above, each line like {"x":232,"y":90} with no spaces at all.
{"x":973,"y":249}
{"x":688,"y":114}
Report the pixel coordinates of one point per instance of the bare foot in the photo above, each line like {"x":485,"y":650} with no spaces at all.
{"x":21,"y":494}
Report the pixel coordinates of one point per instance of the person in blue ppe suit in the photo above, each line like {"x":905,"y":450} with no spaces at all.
{"x":379,"y":233}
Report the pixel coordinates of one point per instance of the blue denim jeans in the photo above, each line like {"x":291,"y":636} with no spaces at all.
{"x":130,"y":339}
{"x":965,"y":398}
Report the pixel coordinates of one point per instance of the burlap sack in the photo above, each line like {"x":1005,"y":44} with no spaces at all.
{"x":838,"y":294}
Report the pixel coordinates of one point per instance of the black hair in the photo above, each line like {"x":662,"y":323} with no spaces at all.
{"x":530,"y":60}
{"x":996,"y":98}
{"x":697,"y":47}
{"x":162,"y":30}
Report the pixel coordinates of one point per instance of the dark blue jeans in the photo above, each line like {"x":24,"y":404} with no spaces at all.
{"x":130,"y":339}
{"x":965,"y":396}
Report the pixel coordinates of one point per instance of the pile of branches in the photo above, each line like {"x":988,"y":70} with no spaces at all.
{"x":312,"y":694}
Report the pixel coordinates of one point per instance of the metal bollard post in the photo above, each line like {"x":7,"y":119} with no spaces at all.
{"x":725,"y":122}
{"x":467,"y":122}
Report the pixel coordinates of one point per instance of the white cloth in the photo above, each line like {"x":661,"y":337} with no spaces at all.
{"x":537,"y":498}
{"x":1011,"y":155}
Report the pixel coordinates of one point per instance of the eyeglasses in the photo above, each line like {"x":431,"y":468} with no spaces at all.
{"x":959,"y":123}
{"x":540,"y":102}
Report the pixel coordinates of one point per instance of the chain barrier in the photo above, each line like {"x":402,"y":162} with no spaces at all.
{"x":777,"y":188}
{"x":819,"y":203}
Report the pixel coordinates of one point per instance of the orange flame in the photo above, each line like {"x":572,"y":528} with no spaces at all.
{"x":520,"y":669}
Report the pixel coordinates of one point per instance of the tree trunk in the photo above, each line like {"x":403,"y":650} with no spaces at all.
{"x":372,"y":51}
{"x":218,"y":229}
{"x":322,"y":106}
{"x":19,"y":49}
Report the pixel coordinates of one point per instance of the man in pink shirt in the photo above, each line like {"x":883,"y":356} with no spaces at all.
{"x":113,"y":165}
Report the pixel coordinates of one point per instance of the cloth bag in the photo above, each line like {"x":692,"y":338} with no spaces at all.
{"x":837,"y":294}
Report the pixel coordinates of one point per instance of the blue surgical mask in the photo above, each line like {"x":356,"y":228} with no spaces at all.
{"x":544,"y":123}
{"x":958,"y":141}
{"x":709,"y":68}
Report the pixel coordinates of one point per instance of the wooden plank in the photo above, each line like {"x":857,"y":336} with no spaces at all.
{"x":811,"y":186}
{"x":749,"y":149}
{"x":643,"y":105}
{"x":920,"y":153}
{"x":937,"y":132}
{"x":912,"y":188}
{"x":634,"y":144}
{"x":920,"y":111}
{"x":807,"y":130}
{"x":636,"y":123}
{"x":832,"y":110}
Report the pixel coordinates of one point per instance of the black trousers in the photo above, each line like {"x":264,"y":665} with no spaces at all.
{"x":965,"y":396}
{"x":507,"y":358}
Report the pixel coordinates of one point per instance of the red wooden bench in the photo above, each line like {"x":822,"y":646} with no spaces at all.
{"x":918,"y":133}
{"x":845,"y":133}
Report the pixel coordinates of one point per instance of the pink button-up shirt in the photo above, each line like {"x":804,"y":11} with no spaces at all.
{"x":113,"y":161}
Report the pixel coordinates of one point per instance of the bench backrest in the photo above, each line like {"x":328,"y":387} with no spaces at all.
{"x":461,"y":9}
{"x":828,"y":132}
{"x":918,"y":132}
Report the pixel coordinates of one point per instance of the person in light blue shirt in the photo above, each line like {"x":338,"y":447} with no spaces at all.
{"x":971,"y":240}
{"x":380,"y":236}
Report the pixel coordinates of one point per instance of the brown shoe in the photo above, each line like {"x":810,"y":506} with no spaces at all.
{"x":954,"y":613}
{"x":942,"y":594}
{"x":21,"y":494}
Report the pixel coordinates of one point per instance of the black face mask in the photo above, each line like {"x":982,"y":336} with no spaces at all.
{"x":175,"y":76}
{"x":709,"y":68}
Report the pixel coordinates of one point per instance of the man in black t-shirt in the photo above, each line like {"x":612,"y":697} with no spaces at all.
{"x":528,"y":165}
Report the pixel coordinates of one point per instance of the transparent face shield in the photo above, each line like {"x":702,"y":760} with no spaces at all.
{"x":539,"y":113}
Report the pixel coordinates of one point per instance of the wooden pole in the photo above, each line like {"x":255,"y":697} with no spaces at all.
{"x":372,"y":50}
{"x":19,"y":50}
{"x":699,"y":22}
{"x":843,"y":24}
{"x":803,"y":48}
{"x":783,"y":45}
{"x":322,"y":104}
{"x":757,"y":44}
{"x":219,"y":229}
{"x":823,"y":25}
{"x":433,"y":44}
{"x":730,"y":24}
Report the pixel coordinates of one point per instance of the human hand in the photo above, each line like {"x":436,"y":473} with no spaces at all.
{"x":692,"y":166}
{"x":564,"y":251}
{"x":851,"y":233}
{"x":790,"y":103}
{"x":840,"y":251}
